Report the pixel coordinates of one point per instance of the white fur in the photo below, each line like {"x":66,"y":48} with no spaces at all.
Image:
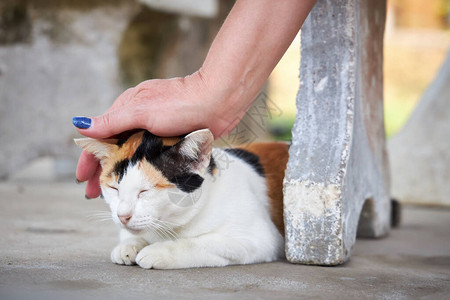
{"x":228,"y":224}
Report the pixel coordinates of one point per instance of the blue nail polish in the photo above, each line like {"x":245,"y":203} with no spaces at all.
{"x":81,"y":122}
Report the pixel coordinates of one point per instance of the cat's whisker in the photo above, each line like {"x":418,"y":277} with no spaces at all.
{"x":101,"y":212}
{"x":167,"y":229}
{"x":101,"y":219}
{"x":167,"y":232}
{"x":156,"y":229}
{"x":168,"y":222}
{"x":157,"y":232}
{"x":172,"y":233}
{"x":99,"y":216}
{"x":161,"y":234}
{"x":163,"y":230}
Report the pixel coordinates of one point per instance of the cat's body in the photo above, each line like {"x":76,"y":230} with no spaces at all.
{"x":182,"y":204}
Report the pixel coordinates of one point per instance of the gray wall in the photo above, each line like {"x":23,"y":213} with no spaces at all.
{"x":59,"y":59}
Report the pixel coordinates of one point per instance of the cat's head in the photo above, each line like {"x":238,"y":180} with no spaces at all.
{"x":148,"y":180}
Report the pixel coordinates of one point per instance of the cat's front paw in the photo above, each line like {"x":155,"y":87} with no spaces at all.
{"x":156,"y":256}
{"x":125,"y":253}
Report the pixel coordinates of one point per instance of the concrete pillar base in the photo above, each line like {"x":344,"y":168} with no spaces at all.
{"x":338,"y":166}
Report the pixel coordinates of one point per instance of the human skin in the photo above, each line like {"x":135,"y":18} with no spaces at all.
{"x":252,"y":40}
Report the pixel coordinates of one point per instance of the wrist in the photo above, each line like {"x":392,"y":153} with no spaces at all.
{"x":224,"y":100}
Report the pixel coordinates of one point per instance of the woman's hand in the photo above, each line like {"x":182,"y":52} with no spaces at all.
{"x":168,"y":107}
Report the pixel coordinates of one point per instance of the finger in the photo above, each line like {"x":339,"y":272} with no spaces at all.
{"x":109,"y":124}
{"x":86,"y":167}
{"x":93,"y":186}
{"x":123,"y":99}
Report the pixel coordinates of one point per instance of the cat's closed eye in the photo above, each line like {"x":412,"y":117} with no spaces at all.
{"x":114,"y":188}
{"x":141,"y":193}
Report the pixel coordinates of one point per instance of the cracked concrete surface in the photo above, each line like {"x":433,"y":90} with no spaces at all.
{"x":52,"y":248}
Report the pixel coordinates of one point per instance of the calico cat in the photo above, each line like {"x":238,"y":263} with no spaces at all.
{"x":180,"y":203}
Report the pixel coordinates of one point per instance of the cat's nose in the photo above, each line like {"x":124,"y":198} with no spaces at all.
{"x":124,"y":219}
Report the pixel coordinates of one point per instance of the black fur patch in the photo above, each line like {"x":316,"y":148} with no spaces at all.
{"x":248,"y":157}
{"x":212,"y":166}
{"x":187,"y":182}
{"x":150,"y":148}
{"x":177,"y":168}
{"x":120,"y":168}
{"x":120,"y":142}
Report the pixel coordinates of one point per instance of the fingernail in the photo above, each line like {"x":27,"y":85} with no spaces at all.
{"x":77,"y":181}
{"x":87,"y":198}
{"x":81,"y":122}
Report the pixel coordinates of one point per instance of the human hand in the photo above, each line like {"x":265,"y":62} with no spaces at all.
{"x":167,"y":107}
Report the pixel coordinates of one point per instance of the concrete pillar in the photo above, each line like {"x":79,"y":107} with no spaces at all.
{"x":338,"y":164}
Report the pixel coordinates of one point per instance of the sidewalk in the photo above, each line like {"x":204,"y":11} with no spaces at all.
{"x":51,"y":249}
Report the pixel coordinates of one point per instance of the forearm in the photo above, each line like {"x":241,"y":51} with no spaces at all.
{"x":250,"y":43}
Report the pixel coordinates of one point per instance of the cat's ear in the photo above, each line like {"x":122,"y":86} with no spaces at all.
{"x":197,"y":147}
{"x":100,"y":148}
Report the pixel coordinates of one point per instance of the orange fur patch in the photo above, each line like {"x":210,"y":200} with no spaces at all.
{"x":273,"y":157}
{"x":170,"y":141}
{"x":118,"y":154}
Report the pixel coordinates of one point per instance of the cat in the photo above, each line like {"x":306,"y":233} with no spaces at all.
{"x":180,"y":203}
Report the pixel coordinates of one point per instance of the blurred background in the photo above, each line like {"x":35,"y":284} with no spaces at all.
{"x":417,"y":39}
{"x":64,"y":58}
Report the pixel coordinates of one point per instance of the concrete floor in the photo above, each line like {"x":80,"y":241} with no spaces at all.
{"x":50,"y":248}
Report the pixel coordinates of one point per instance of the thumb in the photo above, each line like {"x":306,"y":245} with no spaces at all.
{"x":109,"y":124}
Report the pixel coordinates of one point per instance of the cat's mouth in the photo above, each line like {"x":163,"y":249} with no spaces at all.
{"x":133,"y":230}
